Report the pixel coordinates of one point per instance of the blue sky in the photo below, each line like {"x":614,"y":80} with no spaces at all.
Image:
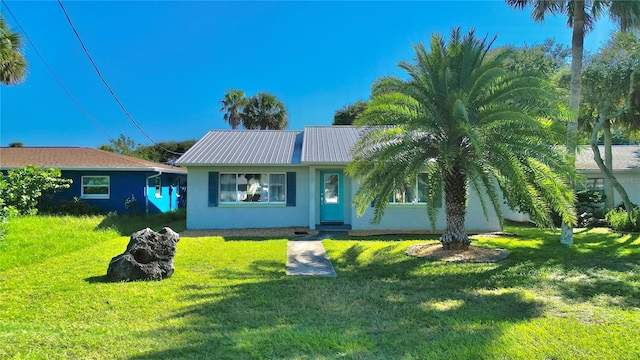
{"x":170,"y":62}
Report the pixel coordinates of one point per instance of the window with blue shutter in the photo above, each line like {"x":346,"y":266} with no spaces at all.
{"x":291,"y":189}
{"x":213,"y":188}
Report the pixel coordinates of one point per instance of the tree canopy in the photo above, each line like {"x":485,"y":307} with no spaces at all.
{"x":264,"y":111}
{"x":165,"y":152}
{"x":611,"y":78}
{"x":22,"y":188}
{"x":13,"y":65}
{"x":232,"y":104}
{"x":581,"y":16}
{"x":459,"y":121}
{"x":347,"y":114}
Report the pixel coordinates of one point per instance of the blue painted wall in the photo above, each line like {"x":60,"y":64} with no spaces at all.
{"x":170,"y":192}
{"x":124,"y":184}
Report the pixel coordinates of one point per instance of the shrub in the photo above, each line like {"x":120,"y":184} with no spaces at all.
{"x":76,"y":206}
{"x":590,"y":208}
{"x":23,"y":187}
{"x":620,"y":220}
{"x":6,"y":212}
{"x":131,"y":204}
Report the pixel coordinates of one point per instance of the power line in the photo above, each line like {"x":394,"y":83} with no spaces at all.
{"x":107,"y":85}
{"x":54,"y":74}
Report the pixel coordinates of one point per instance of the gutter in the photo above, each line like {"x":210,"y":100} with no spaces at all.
{"x":146,"y":191}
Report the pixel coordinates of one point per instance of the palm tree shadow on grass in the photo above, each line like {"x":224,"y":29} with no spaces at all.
{"x":381,"y":309}
{"x":384,"y":304}
{"x":605,"y":265}
{"x":127,"y":224}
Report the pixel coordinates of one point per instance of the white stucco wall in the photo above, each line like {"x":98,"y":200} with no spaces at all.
{"x":510,"y":214}
{"x":631,"y":183}
{"x":201,"y":216}
{"x":629,"y":179}
{"x":414,"y":216}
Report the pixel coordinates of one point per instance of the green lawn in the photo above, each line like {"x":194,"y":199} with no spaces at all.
{"x":232,"y":299}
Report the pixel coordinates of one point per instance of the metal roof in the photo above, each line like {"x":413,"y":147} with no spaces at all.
{"x":329,"y":144}
{"x":625,"y":157}
{"x":245,"y":147}
{"x":77,"y":158}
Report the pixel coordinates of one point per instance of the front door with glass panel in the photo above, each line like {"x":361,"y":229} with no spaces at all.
{"x":331,"y":206}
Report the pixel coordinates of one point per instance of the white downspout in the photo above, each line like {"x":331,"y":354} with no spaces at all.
{"x":146,"y":192}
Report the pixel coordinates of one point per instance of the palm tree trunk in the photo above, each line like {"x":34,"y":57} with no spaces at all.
{"x":608,"y":162}
{"x":455,"y":189}
{"x":577,"y":44}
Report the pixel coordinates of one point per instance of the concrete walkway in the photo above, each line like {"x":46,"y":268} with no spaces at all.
{"x":308,"y":258}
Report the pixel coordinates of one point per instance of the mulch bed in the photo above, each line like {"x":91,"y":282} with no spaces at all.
{"x":435,"y":251}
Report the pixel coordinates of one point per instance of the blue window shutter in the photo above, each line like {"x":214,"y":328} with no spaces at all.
{"x":214,"y":177}
{"x":291,"y":189}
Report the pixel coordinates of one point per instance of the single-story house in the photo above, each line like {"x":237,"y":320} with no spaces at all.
{"x":626,"y":168}
{"x":105,"y":179}
{"x":264,"y":178}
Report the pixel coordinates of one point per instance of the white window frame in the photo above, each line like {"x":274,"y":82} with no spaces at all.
{"x":95,"y":196}
{"x":158,"y":187}
{"x":416,"y":201}
{"x":267,"y":185}
{"x":595,"y":184}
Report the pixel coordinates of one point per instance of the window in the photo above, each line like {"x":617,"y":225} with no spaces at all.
{"x":158,"y":187}
{"x":95,"y":187}
{"x":413,"y":191}
{"x":252,"y":188}
{"x":594,"y":184}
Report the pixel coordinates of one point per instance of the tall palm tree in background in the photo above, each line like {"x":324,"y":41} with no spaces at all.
{"x":264,"y":111}
{"x":12,"y":63}
{"x":232,"y":105}
{"x":460,"y":121}
{"x":581,"y":16}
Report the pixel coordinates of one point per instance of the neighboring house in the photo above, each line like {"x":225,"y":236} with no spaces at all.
{"x":263,"y":179}
{"x":105,"y":179}
{"x":626,"y":169}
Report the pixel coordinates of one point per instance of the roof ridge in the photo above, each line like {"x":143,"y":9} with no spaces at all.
{"x":330,"y":126}
{"x":254,"y":130}
{"x":44,"y":147}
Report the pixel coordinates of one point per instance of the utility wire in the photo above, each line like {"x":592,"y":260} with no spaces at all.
{"x":107,"y":85}
{"x":54,"y":74}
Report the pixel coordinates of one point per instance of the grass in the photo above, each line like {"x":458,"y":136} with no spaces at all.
{"x":232,"y":300}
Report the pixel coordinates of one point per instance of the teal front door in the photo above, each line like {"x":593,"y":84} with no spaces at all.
{"x":331,"y":206}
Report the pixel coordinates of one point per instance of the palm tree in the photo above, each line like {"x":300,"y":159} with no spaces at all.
{"x":12,"y":62}
{"x":265,"y":112}
{"x":232,"y":105}
{"x":460,"y":120}
{"x":581,"y":16}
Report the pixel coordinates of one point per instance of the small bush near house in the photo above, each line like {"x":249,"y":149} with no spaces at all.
{"x":620,"y":220}
{"x":23,"y":187}
{"x":76,"y":206}
{"x":590,"y":208}
{"x":3,"y":220}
